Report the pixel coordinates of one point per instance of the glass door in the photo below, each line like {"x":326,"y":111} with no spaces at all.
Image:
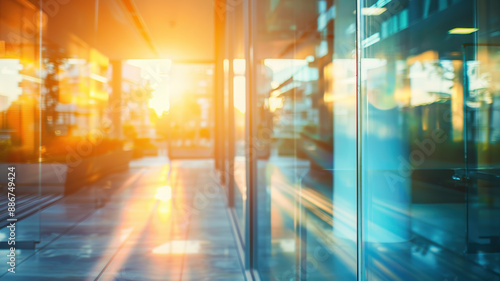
{"x":482,"y":146}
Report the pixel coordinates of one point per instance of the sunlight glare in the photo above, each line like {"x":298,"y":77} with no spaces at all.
{"x":179,"y":247}
{"x":239,"y":93}
{"x":164,"y":193}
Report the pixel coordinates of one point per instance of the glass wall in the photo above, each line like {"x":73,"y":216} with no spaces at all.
{"x":20,"y":81}
{"x":427,"y":140}
{"x":237,"y":123}
{"x":21,"y":86}
{"x":303,"y":63}
{"x":71,"y":110}
{"x":375,"y":139}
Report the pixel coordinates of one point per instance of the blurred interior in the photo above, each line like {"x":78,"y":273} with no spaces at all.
{"x":352,"y":140}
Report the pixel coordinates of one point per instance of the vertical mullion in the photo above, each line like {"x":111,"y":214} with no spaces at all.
{"x":230,"y":111}
{"x":250,"y":137}
{"x":218,"y":103}
{"x":359,"y":145}
{"x":40,"y":116}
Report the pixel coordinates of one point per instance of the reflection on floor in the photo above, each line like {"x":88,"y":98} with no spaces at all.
{"x":158,"y":221}
{"x":442,"y":227}
{"x":26,"y":204}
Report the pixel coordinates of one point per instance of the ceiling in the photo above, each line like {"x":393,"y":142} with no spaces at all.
{"x":136,"y":29}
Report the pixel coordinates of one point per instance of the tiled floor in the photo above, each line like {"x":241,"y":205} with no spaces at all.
{"x":125,"y":228}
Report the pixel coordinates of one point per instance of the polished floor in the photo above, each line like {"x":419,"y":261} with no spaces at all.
{"x":160,"y":220}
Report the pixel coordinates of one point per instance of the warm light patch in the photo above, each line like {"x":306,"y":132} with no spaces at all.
{"x":164,"y":193}
{"x":239,"y":66}
{"x":164,"y":210}
{"x":178,"y":247}
{"x":425,"y":56}
{"x":239,"y":93}
{"x":160,"y":103}
{"x":275,"y":103}
{"x":372,"y":11}
{"x":125,"y":233}
{"x":462,"y":30}
{"x":328,"y":97}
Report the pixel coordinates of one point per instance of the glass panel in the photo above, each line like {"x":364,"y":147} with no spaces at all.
{"x":229,"y":108}
{"x":482,"y":93}
{"x":228,"y":135}
{"x":414,"y":189}
{"x":20,"y":89}
{"x":236,"y":13}
{"x":306,"y":105}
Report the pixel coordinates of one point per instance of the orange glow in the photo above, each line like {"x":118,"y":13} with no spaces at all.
{"x":425,"y":56}
{"x":164,"y":210}
{"x":275,"y":103}
{"x":160,"y":104}
{"x":98,"y":67}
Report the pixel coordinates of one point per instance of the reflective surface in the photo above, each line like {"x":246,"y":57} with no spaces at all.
{"x":427,"y":127}
{"x":139,"y":234}
{"x":376,"y":159}
{"x":238,"y":123}
{"x":360,"y":139}
{"x":306,"y":150}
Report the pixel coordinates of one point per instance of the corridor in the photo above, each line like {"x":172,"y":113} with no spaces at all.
{"x":250,"y":140}
{"x":128,"y":226}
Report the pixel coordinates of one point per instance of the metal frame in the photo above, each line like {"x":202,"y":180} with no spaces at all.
{"x":230,"y":110}
{"x":251,"y":160}
{"x":359,"y":146}
{"x":219,"y":34}
{"x":224,"y":156}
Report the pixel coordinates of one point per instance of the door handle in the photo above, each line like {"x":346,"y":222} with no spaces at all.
{"x":460,"y":176}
